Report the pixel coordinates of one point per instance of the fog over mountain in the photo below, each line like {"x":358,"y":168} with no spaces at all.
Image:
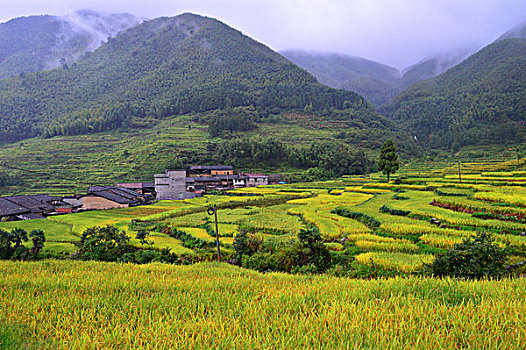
{"x":377,"y":82}
{"x":35,"y":43}
{"x":397,"y":33}
{"x":516,"y":32}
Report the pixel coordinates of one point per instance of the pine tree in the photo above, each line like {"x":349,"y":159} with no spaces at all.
{"x":388,"y":162}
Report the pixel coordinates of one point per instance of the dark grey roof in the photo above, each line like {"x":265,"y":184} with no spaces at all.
{"x":8,"y":208}
{"x":29,"y":216}
{"x":30,"y":203}
{"x":148,"y":184}
{"x":116,"y":194}
{"x":228,"y":177}
{"x":212,"y":167}
{"x":121,"y":191}
{"x":44,"y":198}
{"x":112,"y":197}
{"x":206,"y":179}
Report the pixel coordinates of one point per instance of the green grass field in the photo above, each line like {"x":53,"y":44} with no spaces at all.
{"x":91,"y":305}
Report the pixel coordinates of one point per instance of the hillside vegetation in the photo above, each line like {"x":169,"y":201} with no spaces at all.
{"x":372,"y":80}
{"x":157,"y":69}
{"x":291,"y":143}
{"x":480,"y":101}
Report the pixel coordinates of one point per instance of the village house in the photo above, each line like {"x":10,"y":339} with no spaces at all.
{"x":146,"y":188}
{"x":210,"y":170}
{"x":207,"y":183}
{"x":255,"y":180}
{"x":203,"y":178}
{"x":26,"y":207}
{"x":170,"y":185}
{"x":75,"y":202}
{"x":10,"y":211}
{"x":35,"y":206}
{"x":108,"y":197}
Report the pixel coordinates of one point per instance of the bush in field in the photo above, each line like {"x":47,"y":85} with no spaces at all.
{"x":241,"y":246}
{"x":38,"y":238}
{"x":312,"y":251}
{"x":262,"y":261}
{"x":143,"y":237}
{"x":306,"y":255}
{"x":476,"y":257}
{"x":11,"y":244}
{"x":142,"y":256}
{"x":105,"y":243}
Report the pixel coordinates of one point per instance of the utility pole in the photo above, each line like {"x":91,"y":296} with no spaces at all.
{"x":213,"y":211}
{"x":217,"y":235}
{"x":459,"y":176}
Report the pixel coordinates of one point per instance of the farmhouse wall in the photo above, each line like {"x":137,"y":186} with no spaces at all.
{"x":171,"y":185}
{"x":94,"y":202}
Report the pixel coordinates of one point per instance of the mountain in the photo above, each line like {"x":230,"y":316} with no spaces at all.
{"x":480,"y":101}
{"x":431,"y":67}
{"x":516,"y":32}
{"x":163,"y":67}
{"x":372,"y":80}
{"x":377,"y":82}
{"x":35,"y":43}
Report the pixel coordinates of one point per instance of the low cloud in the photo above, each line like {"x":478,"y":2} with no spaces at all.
{"x":395,"y":32}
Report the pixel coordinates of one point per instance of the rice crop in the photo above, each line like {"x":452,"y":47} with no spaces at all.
{"x":387,"y":246}
{"x":90,"y":305}
{"x":395,"y":261}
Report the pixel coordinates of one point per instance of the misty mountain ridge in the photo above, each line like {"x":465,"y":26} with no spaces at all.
{"x":518,"y":32}
{"x":430,"y":67}
{"x":36,"y":43}
{"x":482,"y":100}
{"x":370,"y":79}
{"x":377,"y":82}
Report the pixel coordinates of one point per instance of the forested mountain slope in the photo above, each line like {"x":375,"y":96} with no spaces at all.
{"x":372,"y":80}
{"x":431,"y":67}
{"x":377,"y":82}
{"x":159,"y":68}
{"x":480,"y":101}
{"x":35,"y":43}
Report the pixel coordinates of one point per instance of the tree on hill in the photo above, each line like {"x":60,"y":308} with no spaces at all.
{"x":388,"y":162}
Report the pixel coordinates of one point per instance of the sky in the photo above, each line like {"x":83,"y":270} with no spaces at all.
{"x":394,"y":32}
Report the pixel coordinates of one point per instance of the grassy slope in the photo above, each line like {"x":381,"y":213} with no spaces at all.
{"x":69,"y":164}
{"x":87,"y":305}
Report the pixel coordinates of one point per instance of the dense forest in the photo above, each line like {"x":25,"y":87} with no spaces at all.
{"x":480,"y":101}
{"x":163,"y":67}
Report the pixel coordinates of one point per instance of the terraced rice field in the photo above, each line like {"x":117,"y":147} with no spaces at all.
{"x":393,"y":228}
{"x":438,"y":209}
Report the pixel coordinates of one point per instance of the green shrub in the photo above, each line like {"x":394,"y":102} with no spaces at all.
{"x":476,"y":257}
{"x":104,"y":243}
{"x":398,"y":212}
{"x":261,"y":261}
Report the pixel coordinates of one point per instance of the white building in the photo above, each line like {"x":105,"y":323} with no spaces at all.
{"x":171,"y":185}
